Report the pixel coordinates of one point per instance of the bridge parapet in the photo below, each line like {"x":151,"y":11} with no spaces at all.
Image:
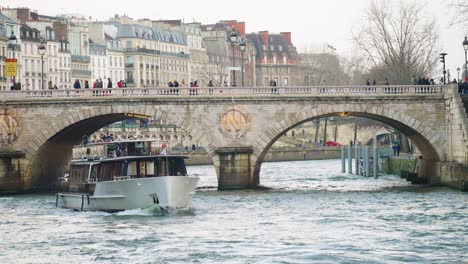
{"x":338,"y":91}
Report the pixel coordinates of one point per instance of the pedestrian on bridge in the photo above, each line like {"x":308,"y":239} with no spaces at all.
{"x":77,"y":84}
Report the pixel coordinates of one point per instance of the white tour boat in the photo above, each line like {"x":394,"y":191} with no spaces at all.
{"x":123,"y":175}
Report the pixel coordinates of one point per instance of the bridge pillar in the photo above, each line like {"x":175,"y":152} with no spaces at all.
{"x":11,"y":180}
{"x":234,"y":169}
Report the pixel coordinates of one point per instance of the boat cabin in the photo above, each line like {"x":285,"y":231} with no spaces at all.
{"x":98,"y":164}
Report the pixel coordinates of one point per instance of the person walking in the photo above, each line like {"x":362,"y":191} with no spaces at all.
{"x":109,"y":83}
{"x":86,"y":84}
{"x":77,"y":84}
{"x":210,"y":87}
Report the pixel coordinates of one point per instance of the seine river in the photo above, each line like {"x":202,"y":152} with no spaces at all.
{"x":310,"y":213}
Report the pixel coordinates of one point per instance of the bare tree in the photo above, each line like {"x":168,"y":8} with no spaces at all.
{"x":323,"y":69}
{"x":460,"y":8}
{"x":211,"y":67}
{"x":398,"y":41}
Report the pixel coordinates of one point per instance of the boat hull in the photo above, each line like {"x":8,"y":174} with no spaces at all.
{"x":166,"y":191}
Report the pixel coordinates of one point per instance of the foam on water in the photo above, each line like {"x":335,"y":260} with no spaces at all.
{"x":308,"y":213}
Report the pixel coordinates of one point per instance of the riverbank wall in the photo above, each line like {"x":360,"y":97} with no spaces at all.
{"x":202,"y":158}
{"x":453,"y":175}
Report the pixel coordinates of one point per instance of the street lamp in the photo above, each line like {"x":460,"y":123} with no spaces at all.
{"x":442,"y":59}
{"x":42,"y":50}
{"x":242,"y":50}
{"x":458,"y":74}
{"x":12,"y":43}
{"x":234,"y":39}
{"x":465,"y":47}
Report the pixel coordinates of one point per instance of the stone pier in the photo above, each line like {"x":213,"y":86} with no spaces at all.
{"x":234,"y":168}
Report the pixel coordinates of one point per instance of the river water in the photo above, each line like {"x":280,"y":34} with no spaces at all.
{"x":311,"y":213}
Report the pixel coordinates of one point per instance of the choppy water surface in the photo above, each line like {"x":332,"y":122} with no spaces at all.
{"x":311,"y":214}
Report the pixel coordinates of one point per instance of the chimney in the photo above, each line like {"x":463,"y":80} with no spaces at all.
{"x":287,"y":36}
{"x":264,"y":37}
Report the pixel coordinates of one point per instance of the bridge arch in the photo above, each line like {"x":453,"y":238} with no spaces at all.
{"x":429,"y":142}
{"x":50,"y":150}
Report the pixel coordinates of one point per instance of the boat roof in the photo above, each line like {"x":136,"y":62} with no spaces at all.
{"x":126,"y":158}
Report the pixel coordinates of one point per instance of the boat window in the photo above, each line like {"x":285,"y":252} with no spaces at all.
{"x":79,"y":173}
{"x":107,"y":171}
{"x":177,"y":167}
{"x":162,"y":167}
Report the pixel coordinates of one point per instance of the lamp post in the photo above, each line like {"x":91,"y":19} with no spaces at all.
{"x":458,"y":74}
{"x":442,"y":59}
{"x":42,"y":50}
{"x":465,"y":47}
{"x":242,"y":50}
{"x":234,"y":39}
{"x":12,"y":43}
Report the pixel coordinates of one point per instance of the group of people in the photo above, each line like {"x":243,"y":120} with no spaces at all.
{"x":176,"y":84}
{"x":423,"y":81}
{"x":396,"y":149}
{"x":102,"y":138}
{"x":52,"y":86}
{"x":98,"y":84}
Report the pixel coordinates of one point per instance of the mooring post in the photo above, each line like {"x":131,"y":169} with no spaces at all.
{"x":367,"y":161}
{"x":356,"y":159}
{"x":376,"y":157}
{"x":350,"y":161}
{"x":343,"y":162}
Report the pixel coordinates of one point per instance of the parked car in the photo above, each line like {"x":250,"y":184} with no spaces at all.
{"x":332,"y":144}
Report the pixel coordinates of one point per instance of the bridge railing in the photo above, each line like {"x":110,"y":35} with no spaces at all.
{"x":229,"y":91}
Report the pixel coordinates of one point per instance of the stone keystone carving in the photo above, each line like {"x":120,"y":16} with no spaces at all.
{"x":8,"y":126}
{"x":234,"y":123}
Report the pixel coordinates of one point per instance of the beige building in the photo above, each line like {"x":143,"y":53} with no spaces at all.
{"x":80,"y":59}
{"x":64,"y":55}
{"x":31,"y":60}
{"x":198,"y":54}
{"x":3,"y":56}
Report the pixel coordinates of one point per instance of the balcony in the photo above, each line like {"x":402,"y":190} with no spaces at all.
{"x":129,"y":65}
{"x":179,"y":55}
{"x":142,"y":50}
{"x":85,"y":73}
{"x":79,"y":58}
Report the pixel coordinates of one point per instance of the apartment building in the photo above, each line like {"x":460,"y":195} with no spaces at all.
{"x":33,"y":65}
{"x":277,"y":60}
{"x":79,"y":48}
{"x":3,"y":56}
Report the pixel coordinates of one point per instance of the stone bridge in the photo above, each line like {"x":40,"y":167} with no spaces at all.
{"x":236,"y":126}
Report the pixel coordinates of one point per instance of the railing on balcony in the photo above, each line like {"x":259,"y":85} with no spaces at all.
{"x":143,"y":50}
{"x":180,"y":55}
{"x":364,"y":92}
{"x":79,"y":58}
{"x":129,"y":65}
{"x":81,"y":73}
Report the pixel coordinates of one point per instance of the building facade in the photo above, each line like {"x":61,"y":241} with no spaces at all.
{"x":277,"y":61}
{"x":34,"y":65}
{"x":99,"y":63}
{"x":64,"y":55}
{"x":3,"y":56}
{"x":79,"y":48}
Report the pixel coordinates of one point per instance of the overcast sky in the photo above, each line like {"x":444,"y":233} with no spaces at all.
{"x":313,"y":23}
